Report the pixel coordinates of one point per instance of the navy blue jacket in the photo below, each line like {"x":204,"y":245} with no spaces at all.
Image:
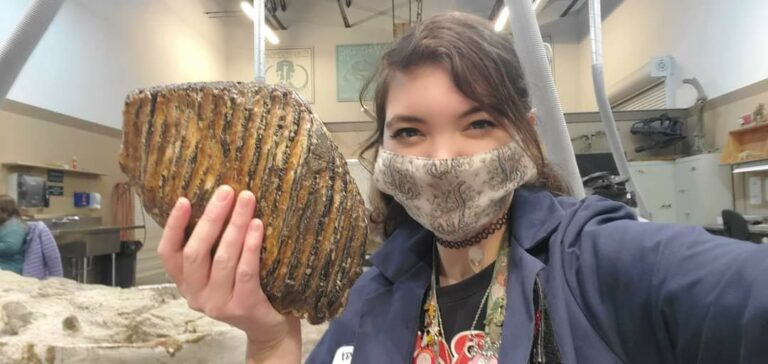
{"x":617,"y":290}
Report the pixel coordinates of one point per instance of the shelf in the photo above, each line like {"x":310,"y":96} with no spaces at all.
{"x":53,"y":167}
{"x":746,"y":145}
{"x":750,"y":128}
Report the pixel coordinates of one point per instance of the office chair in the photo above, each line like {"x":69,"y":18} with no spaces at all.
{"x":735,"y":225}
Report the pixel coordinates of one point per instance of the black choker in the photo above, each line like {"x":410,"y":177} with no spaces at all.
{"x":482,"y":235}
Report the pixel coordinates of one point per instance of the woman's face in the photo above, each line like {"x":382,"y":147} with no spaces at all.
{"x":427,"y":116}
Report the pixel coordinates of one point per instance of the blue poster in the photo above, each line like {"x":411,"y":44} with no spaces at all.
{"x":355,"y":64}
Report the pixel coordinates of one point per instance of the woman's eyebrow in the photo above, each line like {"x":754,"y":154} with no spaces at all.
{"x":406,"y":119}
{"x":473,"y":110}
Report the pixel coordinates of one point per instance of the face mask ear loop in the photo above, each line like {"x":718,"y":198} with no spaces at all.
{"x":535,"y":115}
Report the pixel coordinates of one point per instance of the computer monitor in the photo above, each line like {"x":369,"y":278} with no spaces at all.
{"x":590,"y":163}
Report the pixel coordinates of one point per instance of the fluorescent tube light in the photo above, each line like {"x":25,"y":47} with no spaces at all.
{"x":752,"y":167}
{"x":501,"y":20}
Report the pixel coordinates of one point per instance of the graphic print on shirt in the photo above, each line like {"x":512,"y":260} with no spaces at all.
{"x":459,"y":352}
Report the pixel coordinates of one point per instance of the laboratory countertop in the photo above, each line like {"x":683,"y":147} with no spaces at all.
{"x":94,"y":229}
{"x":755,"y":229}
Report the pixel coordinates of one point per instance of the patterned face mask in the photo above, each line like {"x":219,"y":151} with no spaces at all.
{"x":455,"y":198}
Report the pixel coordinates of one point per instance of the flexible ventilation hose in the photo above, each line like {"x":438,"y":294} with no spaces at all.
{"x":23,"y":39}
{"x":606,"y":114}
{"x":552,"y":128}
{"x":259,"y":43}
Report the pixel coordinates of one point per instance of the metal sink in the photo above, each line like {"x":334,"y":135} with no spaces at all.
{"x":71,"y":222}
{"x":84,"y":243}
{"x":88,"y":243}
{"x":83,"y":236}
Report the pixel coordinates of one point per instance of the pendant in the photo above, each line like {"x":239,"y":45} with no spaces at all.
{"x":481,"y":358}
{"x":476,"y":258}
{"x":485,"y":353}
{"x":424,"y":356}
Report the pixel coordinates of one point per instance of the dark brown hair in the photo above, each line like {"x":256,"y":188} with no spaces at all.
{"x":484,"y":67}
{"x":8,"y":208}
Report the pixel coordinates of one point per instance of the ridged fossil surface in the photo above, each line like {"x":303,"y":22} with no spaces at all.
{"x":187,"y":139}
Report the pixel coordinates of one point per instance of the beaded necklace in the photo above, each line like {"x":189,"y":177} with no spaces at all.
{"x":486,"y":350}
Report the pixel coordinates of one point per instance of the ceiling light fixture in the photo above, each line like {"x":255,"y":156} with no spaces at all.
{"x":751,"y":167}
{"x":501,"y":20}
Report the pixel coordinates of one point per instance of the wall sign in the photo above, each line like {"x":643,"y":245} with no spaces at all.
{"x":355,"y":64}
{"x":293,"y":67}
{"x":82,"y":199}
{"x":55,"y":190}
{"x":55,"y":176}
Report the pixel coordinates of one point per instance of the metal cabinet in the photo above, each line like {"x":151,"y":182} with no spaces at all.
{"x":691,"y":190}
{"x":656,"y":181}
{"x":703,"y":189}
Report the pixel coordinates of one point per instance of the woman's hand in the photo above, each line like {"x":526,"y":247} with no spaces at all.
{"x":227,"y":287}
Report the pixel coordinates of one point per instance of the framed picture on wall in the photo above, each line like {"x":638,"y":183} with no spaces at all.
{"x":293,"y":67}
{"x":355,"y":63}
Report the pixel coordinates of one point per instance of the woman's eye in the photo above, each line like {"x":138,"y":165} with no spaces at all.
{"x":482,"y":124}
{"x":406,"y":133}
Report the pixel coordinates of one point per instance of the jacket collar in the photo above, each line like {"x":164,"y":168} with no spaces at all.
{"x":533,"y":216}
{"x":409,"y":246}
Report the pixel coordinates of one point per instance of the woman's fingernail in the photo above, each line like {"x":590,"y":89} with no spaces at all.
{"x":223,"y":193}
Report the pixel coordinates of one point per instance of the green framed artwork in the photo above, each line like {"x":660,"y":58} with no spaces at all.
{"x":355,"y":63}
{"x":293,"y":67}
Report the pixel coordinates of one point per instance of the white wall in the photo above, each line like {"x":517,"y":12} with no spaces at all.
{"x":566,"y":41}
{"x":96,"y":51}
{"x":722,"y":43}
{"x":100,"y":53}
{"x":317,"y":25}
{"x":323,"y":29}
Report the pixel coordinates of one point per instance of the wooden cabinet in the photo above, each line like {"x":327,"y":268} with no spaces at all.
{"x":692,"y":190}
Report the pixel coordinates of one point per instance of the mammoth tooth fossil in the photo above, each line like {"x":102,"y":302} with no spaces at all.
{"x":187,"y":139}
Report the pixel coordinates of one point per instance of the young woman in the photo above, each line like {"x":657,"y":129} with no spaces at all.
{"x":13,"y":234}
{"x":486,"y":260}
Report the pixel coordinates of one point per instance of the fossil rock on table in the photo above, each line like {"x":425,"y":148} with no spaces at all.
{"x":187,"y":139}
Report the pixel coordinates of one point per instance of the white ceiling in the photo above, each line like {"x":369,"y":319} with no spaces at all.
{"x":367,"y":8}
{"x":373,"y":10}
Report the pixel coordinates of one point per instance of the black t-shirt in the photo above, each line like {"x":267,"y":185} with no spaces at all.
{"x":459,"y":303}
